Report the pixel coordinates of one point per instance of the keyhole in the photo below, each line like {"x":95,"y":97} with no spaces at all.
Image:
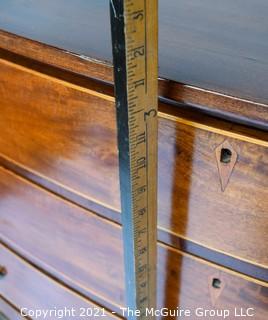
{"x":226,"y":155}
{"x":216,"y":283}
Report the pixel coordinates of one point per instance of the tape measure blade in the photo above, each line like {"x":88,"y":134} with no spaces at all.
{"x":134,"y":37}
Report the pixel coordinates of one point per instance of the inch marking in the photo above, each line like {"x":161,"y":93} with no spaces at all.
{"x":134,"y":34}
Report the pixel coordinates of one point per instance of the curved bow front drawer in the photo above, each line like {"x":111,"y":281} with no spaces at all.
{"x":213,"y":177}
{"x":37,"y":296}
{"x":84,"y":251}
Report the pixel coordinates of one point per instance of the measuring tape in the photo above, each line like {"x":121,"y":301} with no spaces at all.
{"x":134,"y":26}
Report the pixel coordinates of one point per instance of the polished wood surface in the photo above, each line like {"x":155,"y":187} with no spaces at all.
{"x":80,"y":248}
{"x":219,"y":46}
{"x":216,"y":104}
{"x":29,"y":289}
{"x":84,"y":251}
{"x":72,"y":113}
{"x":26,"y":51}
{"x":60,"y":216}
{"x":8,"y":312}
{"x":65,"y":134}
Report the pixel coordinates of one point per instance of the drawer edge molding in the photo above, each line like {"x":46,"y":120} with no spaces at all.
{"x":8,"y":310}
{"x":253,"y":270}
{"x":60,"y":280}
{"x":219,"y":105}
{"x":96,"y":299}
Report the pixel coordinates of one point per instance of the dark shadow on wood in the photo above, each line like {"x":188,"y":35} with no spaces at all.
{"x":183,"y":148}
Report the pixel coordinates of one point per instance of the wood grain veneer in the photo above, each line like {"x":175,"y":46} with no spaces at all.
{"x":221,"y":47}
{"x":58,"y":130}
{"x":85,"y":252}
{"x":41,"y":292}
{"x":23,"y":50}
{"x":66,"y":134}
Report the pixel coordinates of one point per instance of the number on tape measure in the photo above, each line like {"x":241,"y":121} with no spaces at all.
{"x":134,"y":26}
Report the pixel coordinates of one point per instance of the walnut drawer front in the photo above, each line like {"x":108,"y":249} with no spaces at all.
{"x":30,"y":290}
{"x":63,"y":136}
{"x":84,"y":251}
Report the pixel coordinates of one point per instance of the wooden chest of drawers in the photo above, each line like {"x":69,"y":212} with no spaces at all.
{"x":65,"y":246}
{"x":60,"y":224}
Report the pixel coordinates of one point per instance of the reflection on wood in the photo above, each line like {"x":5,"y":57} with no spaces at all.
{"x":220,"y":45}
{"x":68,"y":136}
{"x":61,"y":238}
{"x":41,"y":293}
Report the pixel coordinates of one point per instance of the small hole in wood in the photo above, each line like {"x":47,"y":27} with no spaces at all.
{"x":226,"y":155}
{"x":216,"y":283}
{"x":3,"y":271}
